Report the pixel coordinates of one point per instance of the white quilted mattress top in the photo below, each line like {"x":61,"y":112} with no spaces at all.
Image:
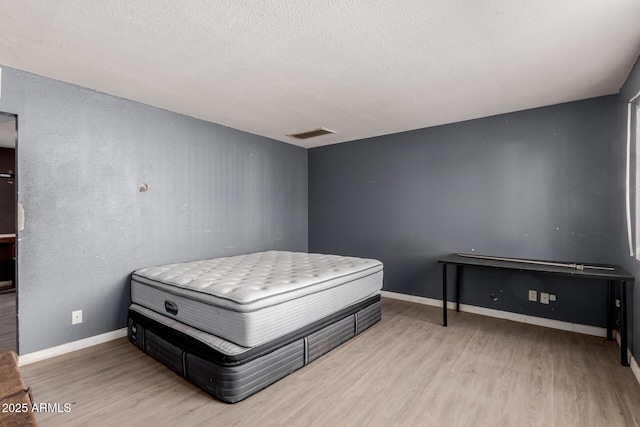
{"x":247,"y":279}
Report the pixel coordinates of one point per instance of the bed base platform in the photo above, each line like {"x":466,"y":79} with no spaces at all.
{"x":232,"y":373}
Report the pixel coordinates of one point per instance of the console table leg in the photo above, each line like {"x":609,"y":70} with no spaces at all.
{"x":444,"y":294}
{"x":609,"y":310}
{"x":458,"y":281}
{"x":623,"y":323}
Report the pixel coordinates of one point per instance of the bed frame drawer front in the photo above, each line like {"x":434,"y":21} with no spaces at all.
{"x":332,"y":336}
{"x":368,"y":317}
{"x":164,"y":352}
{"x":234,"y":383}
{"x":230,"y":373}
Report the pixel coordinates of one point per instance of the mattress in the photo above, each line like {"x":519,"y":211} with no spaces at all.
{"x":256,"y":298}
{"x":230,"y":372}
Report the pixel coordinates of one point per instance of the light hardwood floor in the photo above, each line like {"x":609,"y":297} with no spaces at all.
{"x":405,"y":370}
{"x":7,"y":321}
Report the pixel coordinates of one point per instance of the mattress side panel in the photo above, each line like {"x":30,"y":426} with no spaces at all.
{"x":212,"y":319}
{"x":250,"y":329}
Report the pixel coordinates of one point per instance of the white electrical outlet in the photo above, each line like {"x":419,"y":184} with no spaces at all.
{"x":552,"y":297}
{"x":544,"y":298}
{"x":533,"y":295}
{"x":76,"y":317}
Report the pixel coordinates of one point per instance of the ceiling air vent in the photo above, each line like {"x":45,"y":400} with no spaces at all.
{"x":311,"y":133}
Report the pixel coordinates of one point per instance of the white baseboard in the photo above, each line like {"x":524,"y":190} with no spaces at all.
{"x":516,"y":317}
{"x":634,"y":366}
{"x":59,"y":350}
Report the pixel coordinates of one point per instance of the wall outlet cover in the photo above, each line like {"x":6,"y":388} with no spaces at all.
{"x":544,"y":298}
{"x":76,"y":317}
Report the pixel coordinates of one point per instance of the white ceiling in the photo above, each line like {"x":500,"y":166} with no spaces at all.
{"x":359,"y":68}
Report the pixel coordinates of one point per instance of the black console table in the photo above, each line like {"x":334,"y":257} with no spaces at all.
{"x":606,"y":273}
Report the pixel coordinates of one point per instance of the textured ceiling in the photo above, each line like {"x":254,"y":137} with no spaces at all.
{"x":359,"y":68}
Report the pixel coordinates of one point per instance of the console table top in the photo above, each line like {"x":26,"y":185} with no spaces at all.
{"x":586,"y":270}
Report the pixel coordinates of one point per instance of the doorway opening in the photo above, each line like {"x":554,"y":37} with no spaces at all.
{"x":8,"y":233}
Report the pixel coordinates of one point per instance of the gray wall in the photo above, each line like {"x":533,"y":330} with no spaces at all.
{"x":81,"y":155}
{"x":538,"y":184}
{"x":629,"y":90}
